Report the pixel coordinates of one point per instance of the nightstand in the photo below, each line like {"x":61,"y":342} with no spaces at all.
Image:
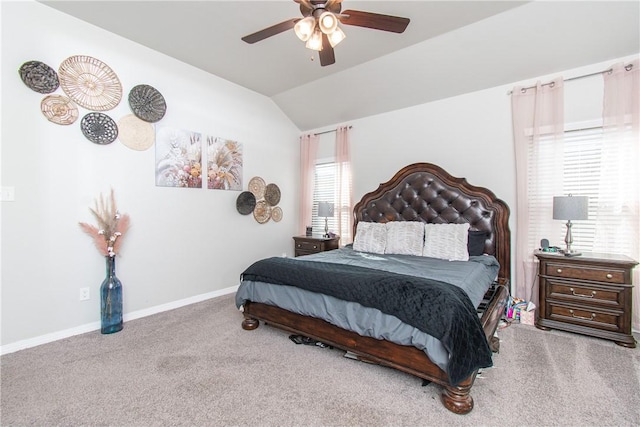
{"x":305,"y":245}
{"x":588,"y":294}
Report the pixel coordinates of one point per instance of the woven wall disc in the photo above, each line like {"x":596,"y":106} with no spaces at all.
{"x":257,"y":186}
{"x":39,"y":77}
{"x":135,"y":133}
{"x":272,"y":194}
{"x":59,"y":109}
{"x":147,"y":103}
{"x":246,"y":203}
{"x":276,"y":214}
{"x":90,"y":83}
{"x":262,"y":211}
{"x":99,"y":128}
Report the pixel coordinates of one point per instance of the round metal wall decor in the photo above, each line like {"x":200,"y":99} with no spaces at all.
{"x":147,"y":103}
{"x":90,"y":83}
{"x":59,"y":109}
{"x":99,"y":128}
{"x":257,"y":186}
{"x":272,"y":194}
{"x":39,"y":77}
{"x":262,"y":212}
{"x":246,"y":202}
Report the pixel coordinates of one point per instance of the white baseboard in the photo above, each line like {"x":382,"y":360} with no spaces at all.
{"x":94,"y":326}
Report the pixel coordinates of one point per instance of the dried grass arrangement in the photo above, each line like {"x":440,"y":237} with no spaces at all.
{"x":112,"y":226}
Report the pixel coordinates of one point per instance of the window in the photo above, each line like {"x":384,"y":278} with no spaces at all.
{"x":325,"y":191}
{"x":581,"y":158}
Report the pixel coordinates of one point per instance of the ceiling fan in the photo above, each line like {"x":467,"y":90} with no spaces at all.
{"x":319,"y":26}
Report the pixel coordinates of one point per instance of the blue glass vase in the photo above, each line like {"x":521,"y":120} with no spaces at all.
{"x":111,"y":300}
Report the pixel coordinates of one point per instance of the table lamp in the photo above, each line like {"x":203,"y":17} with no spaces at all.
{"x":570,"y":208}
{"x":325,"y":209}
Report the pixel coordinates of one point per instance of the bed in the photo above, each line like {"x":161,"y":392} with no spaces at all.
{"x":423,"y":312}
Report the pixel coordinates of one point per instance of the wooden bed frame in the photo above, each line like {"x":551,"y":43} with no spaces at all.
{"x":418,"y":192}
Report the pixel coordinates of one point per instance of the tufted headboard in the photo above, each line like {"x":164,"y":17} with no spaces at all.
{"x":426,"y":192}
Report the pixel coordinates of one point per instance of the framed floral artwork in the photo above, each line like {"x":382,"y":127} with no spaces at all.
{"x":178,"y":158}
{"x":224,"y":164}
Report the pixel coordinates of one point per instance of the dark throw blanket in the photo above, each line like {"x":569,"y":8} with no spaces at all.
{"x":442,"y":310}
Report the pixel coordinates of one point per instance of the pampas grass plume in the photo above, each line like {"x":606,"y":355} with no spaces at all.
{"x":112,"y":225}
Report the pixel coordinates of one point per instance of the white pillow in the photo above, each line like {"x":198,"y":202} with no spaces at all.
{"x":446,"y":241}
{"x":370,"y":237}
{"x":405,"y":238}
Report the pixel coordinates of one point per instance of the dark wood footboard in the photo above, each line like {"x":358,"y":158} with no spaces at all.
{"x":404,"y":358}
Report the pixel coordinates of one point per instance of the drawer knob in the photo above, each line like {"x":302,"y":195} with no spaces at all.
{"x":609,"y":276}
{"x":315,"y":247}
{"x":559,"y":271}
{"x":573,"y":292}
{"x":593,"y":316}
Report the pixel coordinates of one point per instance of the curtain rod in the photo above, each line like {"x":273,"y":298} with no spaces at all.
{"x":627,"y":67}
{"x":332,"y":130}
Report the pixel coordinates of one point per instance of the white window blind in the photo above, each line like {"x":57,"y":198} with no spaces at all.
{"x":325,"y":191}
{"x":579,"y":159}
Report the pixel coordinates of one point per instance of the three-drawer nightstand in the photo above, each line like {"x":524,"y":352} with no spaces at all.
{"x":305,"y":245}
{"x":588,"y":294}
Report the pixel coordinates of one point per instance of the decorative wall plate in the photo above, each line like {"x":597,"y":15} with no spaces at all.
{"x":135,"y":133}
{"x":99,"y":128}
{"x":246,"y":202}
{"x":90,"y":83}
{"x":257,"y":186}
{"x":147,"y":103}
{"x":59,"y":109}
{"x":39,"y":77}
{"x":272,"y":194}
{"x":262,"y":212}
{"x":276,"y":214}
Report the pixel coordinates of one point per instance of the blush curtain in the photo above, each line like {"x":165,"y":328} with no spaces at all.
{"x":618,"y":210}
{"x":308,"y":153}
{"x":538,"y":127}
{"x":344,"y":199}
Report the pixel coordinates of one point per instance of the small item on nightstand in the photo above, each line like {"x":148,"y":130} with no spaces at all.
{"x":309,"y":232}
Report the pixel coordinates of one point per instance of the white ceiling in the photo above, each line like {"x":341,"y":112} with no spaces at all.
{"x":449,"y":48}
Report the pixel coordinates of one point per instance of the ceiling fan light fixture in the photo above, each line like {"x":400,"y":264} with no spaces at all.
{"x":328,"y":22}
{"x":315,"y":41}
{"x":336,"y":37}
{"x":304,"y":28}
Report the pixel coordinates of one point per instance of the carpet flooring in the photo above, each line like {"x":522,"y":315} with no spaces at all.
{"x":196,"y":366}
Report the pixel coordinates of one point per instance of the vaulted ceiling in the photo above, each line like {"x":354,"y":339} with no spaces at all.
{"x":449,"y":47}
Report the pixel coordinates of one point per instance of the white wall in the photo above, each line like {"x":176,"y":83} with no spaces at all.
{"x":183,"y":245}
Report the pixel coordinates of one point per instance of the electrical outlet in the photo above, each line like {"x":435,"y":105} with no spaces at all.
{"x":7,"y":194}
{"x":84,"y":294}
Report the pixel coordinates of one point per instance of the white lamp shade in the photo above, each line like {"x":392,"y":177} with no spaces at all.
{"x":325,"y":209}
{"x":571,"y":207}
{"x":304,"y":28}
{"x":336,"y":37}
{"x":315,"y":41}
{"x":327,"y":22}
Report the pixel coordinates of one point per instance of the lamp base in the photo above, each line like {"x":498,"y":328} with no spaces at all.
{"x":570,"y":253}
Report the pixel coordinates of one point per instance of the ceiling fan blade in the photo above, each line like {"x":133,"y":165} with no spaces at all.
{"x":327,"y":56}
{"x":270,"y":31}
{"x":394,"y":24}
